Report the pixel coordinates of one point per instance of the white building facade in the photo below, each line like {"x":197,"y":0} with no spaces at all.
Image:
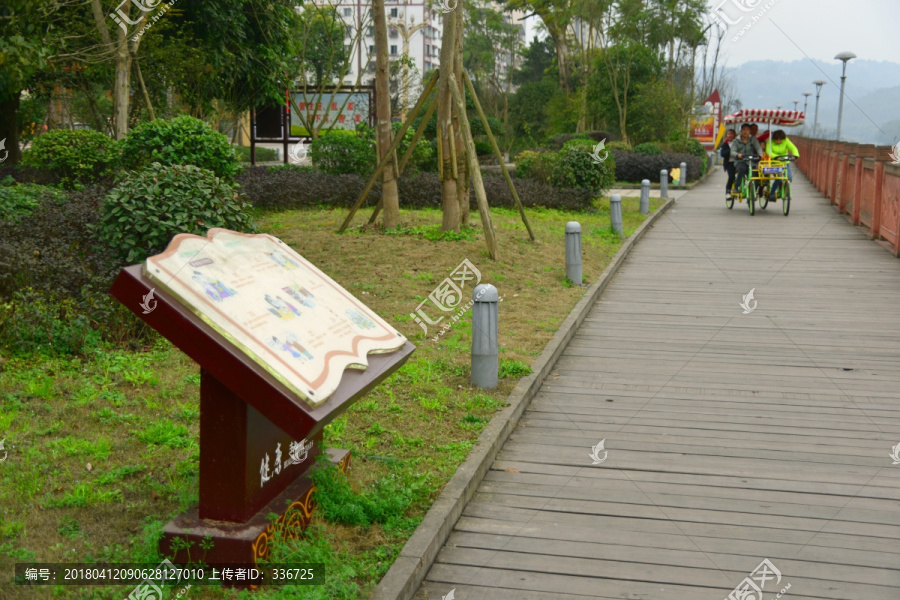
{"x":414,"y":29}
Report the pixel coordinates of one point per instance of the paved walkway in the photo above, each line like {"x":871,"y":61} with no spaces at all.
{"x":731,"y":438}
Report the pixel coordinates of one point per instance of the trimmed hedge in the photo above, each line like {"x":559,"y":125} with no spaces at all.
{"x":183,"y":140}
{"x":575,"y":168}
{"x":285,"y":189}
{"x":149,"y":207}
{"x":557,"y":142}
{"x":632,"y":167}
{"x":647,"y":148}
{"x":80,"y":156}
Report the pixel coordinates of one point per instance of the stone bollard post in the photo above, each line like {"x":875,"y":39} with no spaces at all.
{"x":663,"y":184}
{"x":645,"y":197}
{"x":615,"y":212}
{"x":573,"y":252}
{"x":485,"y":336}
{"x":683,"y":175}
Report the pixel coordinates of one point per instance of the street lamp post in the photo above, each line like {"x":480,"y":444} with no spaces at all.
{"x":818,"y":83}
{"x":806,"y":96}
{"x":844,"y":57}
{"x":796,"y":102}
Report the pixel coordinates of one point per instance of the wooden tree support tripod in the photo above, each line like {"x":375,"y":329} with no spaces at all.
{"x":456,"y":90}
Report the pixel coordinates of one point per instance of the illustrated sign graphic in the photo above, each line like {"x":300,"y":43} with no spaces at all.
{"x":275,"y":306}
{"x":343,"y":110}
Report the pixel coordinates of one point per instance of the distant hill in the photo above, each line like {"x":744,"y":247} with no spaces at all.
{"x":871,"y":108}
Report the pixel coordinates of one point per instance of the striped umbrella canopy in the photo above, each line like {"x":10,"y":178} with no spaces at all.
{"x":770,"y":116}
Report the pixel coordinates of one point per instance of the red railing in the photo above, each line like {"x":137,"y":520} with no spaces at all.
{"x":860,"y":181}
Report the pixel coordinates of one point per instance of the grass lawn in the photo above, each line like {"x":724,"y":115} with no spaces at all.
{"x":103,"y":449}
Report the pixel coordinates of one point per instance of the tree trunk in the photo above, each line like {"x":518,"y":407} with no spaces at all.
{"x":449,"y":198}
{"x":389,"y":199}
{"x":122,"y":88}
{"x":462,"y":169}
{"x":9,"y":129}
{"x":562,"y":54}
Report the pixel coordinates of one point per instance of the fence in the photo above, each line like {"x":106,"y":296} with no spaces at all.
{"x":860,"y":181}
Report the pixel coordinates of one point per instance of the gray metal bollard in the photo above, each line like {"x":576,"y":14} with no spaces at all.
{"x":645,"y":196}
{"x":485,"y":336}
{"x":663,"y":184}
{"x":683,"y":179}
{"x":573,"y":252}
{"x":615,"y":212}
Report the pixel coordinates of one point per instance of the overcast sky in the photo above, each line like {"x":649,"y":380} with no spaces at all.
{"x":819,"y":28}
{"x":815,"y":28}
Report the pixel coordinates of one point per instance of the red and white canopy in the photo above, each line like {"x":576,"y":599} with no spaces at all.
{"x":784,"y":118}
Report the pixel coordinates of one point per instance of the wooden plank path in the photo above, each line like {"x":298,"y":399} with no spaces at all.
{"x":731,"y":437}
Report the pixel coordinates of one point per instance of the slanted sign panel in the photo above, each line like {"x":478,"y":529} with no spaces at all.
{"x":275,"y":306}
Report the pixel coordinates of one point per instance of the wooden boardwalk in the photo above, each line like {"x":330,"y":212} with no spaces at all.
{"x":731,"y":437}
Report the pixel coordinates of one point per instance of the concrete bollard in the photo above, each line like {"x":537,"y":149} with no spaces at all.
{"x":485,"y":336}
{"x":663,"y":184}
{"x":615,"y":212}
{"x":683,"y":174}
{"x":645,"y":197}
{"x":573,"y":252}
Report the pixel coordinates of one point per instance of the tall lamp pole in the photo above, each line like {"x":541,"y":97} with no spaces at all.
{"x":796,"y":102}
{"x":844,"y":57}
{"x":806,"y":96}
{"x":818,"y":83}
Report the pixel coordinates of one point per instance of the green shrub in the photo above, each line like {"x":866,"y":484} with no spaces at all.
{"x":525,"y":162}
{"x":623,"y":146}
{"x":340,"y":152}
{"x":496,"y":125}
{"x":149,"y":207}
{"x":483,"y":149}
{"x":648,"y":148}
{"x":262,"y":154}
{"x":575,"y":167}
{"x":20,"y":200}
{"x":183,"y":140}
{"x":536,"y":165}
{"x":80,"y":156}
{"x":424,"y":156}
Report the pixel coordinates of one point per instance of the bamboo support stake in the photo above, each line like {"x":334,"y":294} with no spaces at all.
{"x":390,"y":154}
{"x":453,"y":168}
{"x":497,"y":153}
{"x":440,"y":149}
{"x":475,"y":171}
{"x":409,"y":151}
